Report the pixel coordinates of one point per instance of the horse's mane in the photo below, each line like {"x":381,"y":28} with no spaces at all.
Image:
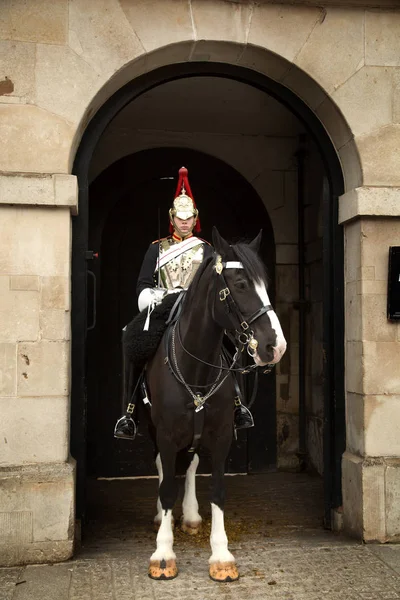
{"x":252,"y":264}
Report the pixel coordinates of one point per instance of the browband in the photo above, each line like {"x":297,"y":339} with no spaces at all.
{"x":233,"y":264}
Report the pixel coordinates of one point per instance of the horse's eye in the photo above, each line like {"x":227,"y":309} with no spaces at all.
{"x":241,"y":284}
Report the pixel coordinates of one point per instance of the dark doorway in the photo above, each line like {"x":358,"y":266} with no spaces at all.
{"x":333,"y":338}
{"x":125,"y":204}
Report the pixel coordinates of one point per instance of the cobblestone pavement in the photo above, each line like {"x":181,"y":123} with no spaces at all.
{"x":274,"y":524}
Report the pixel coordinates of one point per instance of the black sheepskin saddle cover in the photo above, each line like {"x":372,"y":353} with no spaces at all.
{"x":139,"y":346}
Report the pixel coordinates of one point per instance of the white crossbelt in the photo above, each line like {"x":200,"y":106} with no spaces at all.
{"x":176,"y":250}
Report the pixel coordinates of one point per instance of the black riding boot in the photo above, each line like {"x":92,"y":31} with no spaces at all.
{"x":243,"y":418}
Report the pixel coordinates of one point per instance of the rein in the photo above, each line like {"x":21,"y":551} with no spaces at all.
{"x":243,"y":335}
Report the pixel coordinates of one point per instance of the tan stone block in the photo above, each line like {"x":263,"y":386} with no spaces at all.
{"x":66,"y":191}
{"x":332,"y":118}
{"x":366,"y":100}
{"x":36,"y":430}
{"x":372,"y":287}
{"x":284,"y":221}
{"x":26,"y":189}
{"x":17,"y":64}
{"x":382,"y":41}
{"x":209,"y":50}
{"x":350,"y":160}
{"x":355,"y":423}
{"x":54,"y":324}
{"x":43,"y":369}
{"x":304,"y":86}
{"x":374,"y":501}
{"x":33,"y":140}
{"x":40,"y":21}
{"x":55,"y":292}
{"x":103,"y":36}
{"x":47,"y":492}
{"x":59,"y":74}
{"x":159,"y":23}
{"x":354,"y":367}
{"x":35,"y":240}
{"x":221,"y":20}
{"x":8,"y":369}
{"x":366,"y":273}
{"x":340,"y":34}
{"x":396,"y":95}
{"x":283,"y":29}
{"x":377,"y":236}
{"x":380,"y":155}
{"x":19,"y":314}
{"x":381,"y":425}
{"x":352,"y":491}
{"x":353,"y":313}
{"x":392,"y":493}
{"x":352,"y":240}
{"x":375,"y":326}
{"x":259,"y":59}
{"x":381,"y":367}
{"x":27,"y":283}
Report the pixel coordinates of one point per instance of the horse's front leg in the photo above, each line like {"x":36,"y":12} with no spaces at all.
{"x":222,"y":562}
{"x":191,"y":520}
{"x":162,"y":561}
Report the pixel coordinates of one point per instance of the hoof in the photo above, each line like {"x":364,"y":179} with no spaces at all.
{"x":224,"y":572}
{"x":191,"y":527}
{"x":163,"y":569}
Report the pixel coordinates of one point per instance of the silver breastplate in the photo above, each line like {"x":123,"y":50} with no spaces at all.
{"x":180,"y":271}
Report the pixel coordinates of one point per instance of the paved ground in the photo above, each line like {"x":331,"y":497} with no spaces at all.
{"x":274,"y":524}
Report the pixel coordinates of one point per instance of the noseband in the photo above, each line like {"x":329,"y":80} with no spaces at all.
{"x":243,"y":334}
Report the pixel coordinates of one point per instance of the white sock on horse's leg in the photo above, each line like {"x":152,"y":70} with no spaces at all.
{"x":165,"y":539}
{"x":158,"y":517}
{"x":218,"y":538}
{"x":190,"y":506}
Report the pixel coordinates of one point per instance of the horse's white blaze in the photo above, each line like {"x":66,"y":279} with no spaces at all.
{"x":218,"y":539}
{"x":158,"y":517}
{"x":165,"y":538}
{"x":190,"y":506}
{"x":280,"y":347}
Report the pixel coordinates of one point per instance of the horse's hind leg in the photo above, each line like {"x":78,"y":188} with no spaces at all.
{"x":222,"y":563}
{"x":162,"y":561}
{"x":191,"y":520}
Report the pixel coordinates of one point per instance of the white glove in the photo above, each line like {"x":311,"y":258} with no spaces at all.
{"x":150,"y":296}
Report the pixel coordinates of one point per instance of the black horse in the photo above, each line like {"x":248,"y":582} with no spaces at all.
{"x":192,"y":392}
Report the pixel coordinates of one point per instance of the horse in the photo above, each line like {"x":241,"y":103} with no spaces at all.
{"x":192,"y":391}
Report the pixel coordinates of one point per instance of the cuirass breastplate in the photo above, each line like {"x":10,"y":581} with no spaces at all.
{"x":180,"y":271}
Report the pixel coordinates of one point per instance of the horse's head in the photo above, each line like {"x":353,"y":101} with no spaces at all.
{"x":241,"y":303}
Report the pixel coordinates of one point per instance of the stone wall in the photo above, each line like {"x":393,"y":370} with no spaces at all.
{"x":60,"y":61}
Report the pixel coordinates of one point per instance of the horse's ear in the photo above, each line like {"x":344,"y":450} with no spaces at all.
{"x":256,"y":243}
{"x":221,"y":246}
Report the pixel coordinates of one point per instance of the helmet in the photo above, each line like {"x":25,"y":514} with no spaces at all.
{"x":184,"y":205}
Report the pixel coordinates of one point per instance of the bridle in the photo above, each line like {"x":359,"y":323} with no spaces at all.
{"x":243,"y":334}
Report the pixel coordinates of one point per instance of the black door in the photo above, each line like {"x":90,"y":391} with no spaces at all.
{"x":124,"y":203}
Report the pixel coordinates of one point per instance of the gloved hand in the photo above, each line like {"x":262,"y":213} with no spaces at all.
{"x":150,"y":296}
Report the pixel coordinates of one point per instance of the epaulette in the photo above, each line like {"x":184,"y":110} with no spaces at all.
{"x":161,"y":239}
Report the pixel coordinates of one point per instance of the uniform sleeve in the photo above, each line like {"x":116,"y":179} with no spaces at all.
{"x":146,"y":275}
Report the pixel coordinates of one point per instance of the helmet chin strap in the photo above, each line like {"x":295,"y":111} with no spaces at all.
{"x":179,"y":232}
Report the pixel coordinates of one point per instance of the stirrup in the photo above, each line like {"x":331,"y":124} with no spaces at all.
{"x":125,"y":428}
{"x":243,"y":419}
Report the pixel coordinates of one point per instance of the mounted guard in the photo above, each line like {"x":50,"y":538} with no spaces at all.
{"x":169,"y":266}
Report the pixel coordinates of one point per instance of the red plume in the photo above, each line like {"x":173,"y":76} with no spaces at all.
{"x":183,"y":180}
